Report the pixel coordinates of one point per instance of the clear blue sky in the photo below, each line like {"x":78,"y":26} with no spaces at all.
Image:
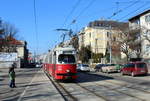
{"x":51,"y":15}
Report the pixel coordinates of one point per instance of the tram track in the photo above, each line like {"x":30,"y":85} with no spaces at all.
{"x":105,"y":97}
{"x":125,"y":86}
{"x":87,"y":91}
{"x":98,"y":95}
{"x":67,"y":95}
{"x":121,"y":92}
{"x":61,"y":89}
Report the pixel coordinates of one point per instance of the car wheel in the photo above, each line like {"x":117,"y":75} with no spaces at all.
{"x":146,"y":74}
{"x":132,"y":74}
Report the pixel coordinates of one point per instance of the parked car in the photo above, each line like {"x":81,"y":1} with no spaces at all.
{"x":98,"y":67}
{"x":83,"y":67}
{"x":119,"y":67}
{"x":135,"y":68}
{"x":109,"y":68}
{"x":38,"y":65}
{"x":32,"y":65}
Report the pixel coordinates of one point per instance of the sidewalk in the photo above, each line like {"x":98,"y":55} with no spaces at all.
{"x":40,"y":89}
{"x":3,"y":73}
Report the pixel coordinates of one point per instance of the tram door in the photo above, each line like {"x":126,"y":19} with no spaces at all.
{"x":54,"y":64}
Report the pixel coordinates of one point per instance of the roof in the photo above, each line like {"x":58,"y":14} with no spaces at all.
{"x":64,"y":49}
{"x":12,"y":41}
{"x":107,"y":23}
{"x":137,"y":16}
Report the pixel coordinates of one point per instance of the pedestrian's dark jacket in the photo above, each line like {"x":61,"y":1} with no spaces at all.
{"x":11,"y":73}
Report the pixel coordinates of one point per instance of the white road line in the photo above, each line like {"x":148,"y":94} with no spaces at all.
{"x":21,"y":96}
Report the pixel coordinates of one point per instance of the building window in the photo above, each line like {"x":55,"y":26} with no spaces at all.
{"x":147,"y":18}
{"x":136,"y":21}
{"x":147,"y":48}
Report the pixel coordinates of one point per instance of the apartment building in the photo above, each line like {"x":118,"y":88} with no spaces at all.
{"x":141,"y":25}
{"x":99,"y":35}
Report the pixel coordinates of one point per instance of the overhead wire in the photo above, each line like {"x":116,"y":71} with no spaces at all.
{"x":121,"y":10}
{"x":120,"y":19}
{"x":77,"y":17}
{"x":67,"y":17}
{"x":72,"y":11}
{"x":36,"y":26}
{"x":83,"y":10}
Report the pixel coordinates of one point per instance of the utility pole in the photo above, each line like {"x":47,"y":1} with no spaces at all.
{"x":110,"y":50}
{"x":96,"y":48}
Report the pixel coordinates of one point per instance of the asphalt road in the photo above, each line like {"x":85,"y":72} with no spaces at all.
{"x":34,"y":85}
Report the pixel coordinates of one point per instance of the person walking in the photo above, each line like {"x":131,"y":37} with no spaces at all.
{"x":12,"y":76}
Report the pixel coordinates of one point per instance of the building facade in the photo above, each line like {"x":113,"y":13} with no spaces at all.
{"x":141,"y":25}
{"x":101,"y":36}
{"x":16,"y":46}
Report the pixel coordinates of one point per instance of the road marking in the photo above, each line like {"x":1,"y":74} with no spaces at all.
{"x":21,"y":96}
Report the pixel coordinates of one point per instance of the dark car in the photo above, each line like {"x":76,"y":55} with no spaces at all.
{"x":32,"y":65}
{"x":98,"y":67}
{"x":135,"y":68}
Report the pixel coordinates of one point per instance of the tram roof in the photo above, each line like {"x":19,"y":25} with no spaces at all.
{"x":63,"y":48}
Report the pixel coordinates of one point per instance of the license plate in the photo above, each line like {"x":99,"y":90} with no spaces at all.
{"x":142,"y":71}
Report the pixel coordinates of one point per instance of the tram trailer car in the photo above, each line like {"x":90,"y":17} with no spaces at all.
{"x":60,"y":63}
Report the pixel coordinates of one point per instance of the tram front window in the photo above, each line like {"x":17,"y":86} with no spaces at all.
{"x":63,"y":58}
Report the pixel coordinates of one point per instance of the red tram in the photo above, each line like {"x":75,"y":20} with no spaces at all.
{"x":60,"y":63}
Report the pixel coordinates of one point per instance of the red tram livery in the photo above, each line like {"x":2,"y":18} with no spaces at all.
{"x":60,"y":63}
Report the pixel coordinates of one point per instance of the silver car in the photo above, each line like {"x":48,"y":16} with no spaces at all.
{"x":83,"y":67}
{"x":109,"y":68}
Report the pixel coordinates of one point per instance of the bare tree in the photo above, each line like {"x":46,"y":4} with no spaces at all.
{"x":8,"y":32}
{"x":130,"y":42}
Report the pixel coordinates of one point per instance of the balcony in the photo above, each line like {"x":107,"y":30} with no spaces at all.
{"x":134,"y":26}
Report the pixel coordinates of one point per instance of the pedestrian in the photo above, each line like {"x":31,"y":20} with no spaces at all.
{"x":12,"y":76}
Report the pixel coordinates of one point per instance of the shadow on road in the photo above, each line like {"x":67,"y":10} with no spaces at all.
{"x":87,"y":77}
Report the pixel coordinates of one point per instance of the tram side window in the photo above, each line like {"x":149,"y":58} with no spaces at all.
{"x":46,"y":60}
{"x":63,"y":58}
{"x":50,"y":58}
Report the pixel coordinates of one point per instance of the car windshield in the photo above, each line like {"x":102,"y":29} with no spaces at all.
{"x":141,"y":65}
{"x":129,"y":65}
{"x":84,"y":65}
{"x":63,"y":58}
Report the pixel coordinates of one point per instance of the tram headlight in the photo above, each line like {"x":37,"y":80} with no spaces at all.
{"x":67,"y":70}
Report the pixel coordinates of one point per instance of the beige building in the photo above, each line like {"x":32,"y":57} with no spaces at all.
{"x":141,"y":23}
{"x":95,"y":38}
{"x":100,"y":35}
